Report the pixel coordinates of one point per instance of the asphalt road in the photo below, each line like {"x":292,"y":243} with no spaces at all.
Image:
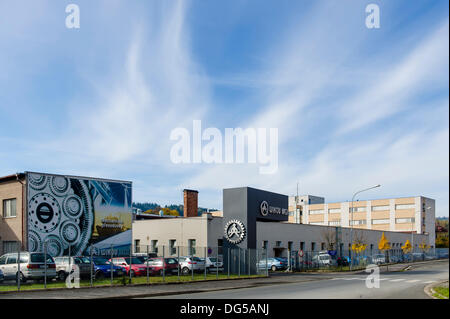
{"x":408,"y":284}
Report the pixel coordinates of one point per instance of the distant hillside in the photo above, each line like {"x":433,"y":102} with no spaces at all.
{"x":155,"y":208}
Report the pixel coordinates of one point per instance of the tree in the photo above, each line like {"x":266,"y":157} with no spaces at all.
{"x":423,"y":246}
{"x":407,"y":247}
{"x":328,"y":235}
{"x":383,"y":244}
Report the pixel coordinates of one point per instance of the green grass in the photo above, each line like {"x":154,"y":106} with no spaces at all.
{"x":442,"y":292}
{"x":121,"y":281}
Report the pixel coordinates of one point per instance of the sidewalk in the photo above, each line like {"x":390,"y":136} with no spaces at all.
{"x":139,"y":291}
{"x":431,"y":292}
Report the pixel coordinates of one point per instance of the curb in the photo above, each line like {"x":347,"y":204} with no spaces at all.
{"x":128,"y":285}
{"x":430,"y":291}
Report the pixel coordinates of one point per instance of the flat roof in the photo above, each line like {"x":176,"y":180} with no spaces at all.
{"x":81,"y":177}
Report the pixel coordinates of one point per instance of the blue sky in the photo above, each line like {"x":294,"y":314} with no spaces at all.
{"x":354,"y":107}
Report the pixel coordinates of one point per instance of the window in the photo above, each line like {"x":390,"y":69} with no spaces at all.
{"x":289,"y":245}
{"x":302,"y":245}
{"x":191,"y":244}
{"x":137,"y":246}
{"x":316,"y":211}
{"x":172,"y":247}
{"x":265,"y":243}
{"x":404,"y":220}
{"x":322,"y":246}
{"x":220,"y":246}
{"x":313,"y":246}
{"x":317,"y":223}
{"x":334,"y":210}
{"x":10,"y":246}
{"x":2,"y":260}
{"x":358,"y":209}
{"x":154,"y":246}
{"x":334,"y":223}
{"x":9,"y":208}
{"x":405,"y":206}
{"x":12,"y":259}
{"x":278,"y":244}
{"x":378,"y":208}
{"x":380,"y":221}
{"x":359,"y":222}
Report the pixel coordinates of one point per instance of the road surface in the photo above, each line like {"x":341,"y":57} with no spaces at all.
{"x":393,"y":285}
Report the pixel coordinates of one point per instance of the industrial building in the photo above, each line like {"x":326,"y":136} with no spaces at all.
{"x":415,"y":214}
{"x":256,"y":219}
{"x":61,"y":212}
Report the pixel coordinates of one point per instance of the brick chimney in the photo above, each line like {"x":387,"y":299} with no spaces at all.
{"x":190,"y":208}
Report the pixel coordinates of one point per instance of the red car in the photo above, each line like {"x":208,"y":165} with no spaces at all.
{"x":137,"y":267}
{"x":156,"y":266}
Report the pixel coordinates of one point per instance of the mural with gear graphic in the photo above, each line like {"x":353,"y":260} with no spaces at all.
{"x":66,"y":211}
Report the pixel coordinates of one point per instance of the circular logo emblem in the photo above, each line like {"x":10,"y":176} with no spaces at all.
{"x":264,"y":208}
{"x":44,"y":212}
{"x":235,"y":231}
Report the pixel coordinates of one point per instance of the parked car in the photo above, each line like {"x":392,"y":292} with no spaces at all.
{"x":102,"y":268}
{"x":418,"y":256}
{"x":273,"y":264}
{"x":323,"y":259}
{"x":65,"y":266}
{"x":144,"y":257}
{"x":188,"y":264}
{"x":2,"y":277}
{"x":133,"y":265}
{"x":212,"y":263}
{"x":32,"y":266}
{"x":378,"y":259}
{"x":342,"y":261}
{"x":394,"y":259}
{"x":158,"y":266}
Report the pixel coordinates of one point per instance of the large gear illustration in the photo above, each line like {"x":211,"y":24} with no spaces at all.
{"x":234,"y":231}
{"x":37,"y":181}
{"x":59,"y":185}
{"x":60,"y":214}
{"x":44,"y":212}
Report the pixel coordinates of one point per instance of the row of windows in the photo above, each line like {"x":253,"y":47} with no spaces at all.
{"x":364,"y":222}
{"x":154,"y":246}
{"x":363,"y":209}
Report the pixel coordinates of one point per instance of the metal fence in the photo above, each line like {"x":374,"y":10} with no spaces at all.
{"x":127,"y":265}
{"x":330,"y":260}
{"x":155,"y":264}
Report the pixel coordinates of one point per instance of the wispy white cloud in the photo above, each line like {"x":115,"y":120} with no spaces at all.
{"x":159,"y":86}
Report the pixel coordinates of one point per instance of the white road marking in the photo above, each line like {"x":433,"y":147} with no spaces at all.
{"x":429,"y":282}
{"x":414,"y":280}
{"x":395,"y":280}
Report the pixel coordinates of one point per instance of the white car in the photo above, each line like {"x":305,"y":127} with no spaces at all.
{"x":32,"y":266}
{"x":379,"y":259}
{"x":188,"y":264}
{"x":212,"y":263}
{"x":323,"y":259}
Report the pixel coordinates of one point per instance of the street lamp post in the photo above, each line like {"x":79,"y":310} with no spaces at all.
{"x":351,"y":220}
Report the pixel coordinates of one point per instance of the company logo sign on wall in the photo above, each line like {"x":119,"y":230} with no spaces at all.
{"x":234,"y":231}
{"x":265,"y":209}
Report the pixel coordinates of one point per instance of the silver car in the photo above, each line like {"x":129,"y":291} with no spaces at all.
{"x":32,"y":266}
{"x":65,"y":265}
{"x":379,"y":259}
{"x":188,"y":264}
